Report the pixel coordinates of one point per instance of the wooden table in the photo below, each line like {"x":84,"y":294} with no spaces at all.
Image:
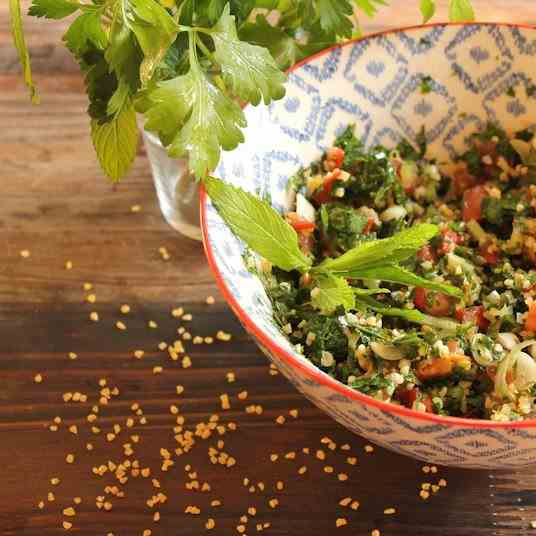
{"x":56,"y":204}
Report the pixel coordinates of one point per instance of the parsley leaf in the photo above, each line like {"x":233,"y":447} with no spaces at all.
{"x":461,"y":10}
{"x":155,"y":31}
{"x":370,"y":7}
{"x":52,"y":9}
{"x":428,"y":8}
{"x":20,"y":44}
{"x":116,"y":141}
{"x":85,"y":30}
{"x":192,"y":116}
{"x":259,"y":225}
{"x":248,"y":70}
{"x":331,"y":292}
{"x":334,"y":17}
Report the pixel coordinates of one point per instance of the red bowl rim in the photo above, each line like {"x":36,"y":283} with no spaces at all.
{"x":316,"y":374}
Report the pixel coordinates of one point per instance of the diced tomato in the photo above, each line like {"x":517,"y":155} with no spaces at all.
{"x":462,"y":180}
{"x":323,"y":194}
{"x":530,"y":321}
{"x":432,"y":303}
{"x":336,"y":155}
{"x":490,"y":254}
{"x":426,"y":253}
{"x":406,"y":396}
{"x":450,"y":239}
{"x":371,"y":222}
{"x":473,"y":315}
{"x":300,"y":224}
{"x":472,"y":203}
{"x":454,"y":347}
{"x":427,"y":401}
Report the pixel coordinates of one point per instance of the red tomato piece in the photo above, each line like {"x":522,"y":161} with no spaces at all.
{"x":300,"y":224}
{"x":450,"y":240}
{"x":474,"y":315}
{"x":530,"y":321}
{"x":426,"y":253}
{"x":336,"y":155}
{"x":406,"y":396}
{"x":432,"y":303}
{"x":472,"y":203}
{"x":427,"y":401}
{"x":323,"y":195}
{"x":462,"y":180}
{"x":490,"y":254}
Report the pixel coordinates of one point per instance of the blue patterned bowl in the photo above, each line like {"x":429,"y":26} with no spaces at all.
{"x":375,"y":83}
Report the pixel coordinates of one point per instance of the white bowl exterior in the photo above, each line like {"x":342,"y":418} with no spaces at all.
{"x":376,"y":84}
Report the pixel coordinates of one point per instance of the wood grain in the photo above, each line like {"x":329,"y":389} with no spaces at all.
{"x":56,"y":204}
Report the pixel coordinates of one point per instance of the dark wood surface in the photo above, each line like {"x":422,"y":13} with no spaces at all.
{"x":56,"y":204}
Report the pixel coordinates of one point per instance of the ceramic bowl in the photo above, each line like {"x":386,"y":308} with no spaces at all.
{"x":478,"y":73}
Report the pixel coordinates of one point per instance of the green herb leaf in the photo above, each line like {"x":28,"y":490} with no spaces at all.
{"x":461,"y":10}
{"x":116,"y":142}
{"x":428,"y":8}
{"x":381,"y":252}
{"x":193,"y":117}
{"x":331,"y":292}
{"x":393,"y":273}
{"x":155,"y":31}
{"x":52,"y":9}
{"x":260,"y":226}
{"x":370,"y":7}
{"x":249,"y":71}
{"x":20,"y":44}
{"x":526,"y":151}
{"x":85,"y":30}
{"x":334,"y":17}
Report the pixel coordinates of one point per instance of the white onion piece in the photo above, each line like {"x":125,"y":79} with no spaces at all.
{"x":289,"y":199}
{"x":396,"y":212}
{"x":304,"y":209}
{"x":387,"y":352}
{"x":525,"y":374}
{"x":507,"y":340}
{"x":501,"y":385}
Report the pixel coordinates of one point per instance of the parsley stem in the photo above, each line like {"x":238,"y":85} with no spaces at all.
{"x":205,"y":49}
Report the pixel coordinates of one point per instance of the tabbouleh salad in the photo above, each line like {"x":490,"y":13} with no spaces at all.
{"x":428,"y":350}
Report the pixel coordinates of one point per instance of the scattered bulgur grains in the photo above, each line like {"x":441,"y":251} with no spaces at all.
{"x":51,"y":497}
{"x":273,"y":503}
{"x":341,"y":522}
{"x":197,"y":340}
{"x":433,"y":469}
{"x":164,"y":253}
{"x":252,"y":511}
{"x":68,"y":265}
{"x":156,"y":517}
{"x":152,"y":324}
{"x":194,"y":510}
{"x":389,"y":511}
{"x":54,"y":481}
{"x":375,"y":532}
{"x":293,"y":413}
{"x":210,"y":300}
{"x":351,"y":460}
{"x":120,"y":325}
{"x":94,"y":316}
{"x":125,"y":309}
{"x":346,"y":446}
{"x":425,"y":469}
{"x":41,"y":505}
{"x":424,"y":494}
{"x":224,"y":399}
{"x":108,"y":506}
{"x":186,"y":362}
{"x":369,"y":448}
{"x":342,"y":477}
{"x":274,"y":457}
{"x":280,"y":419}
{"x":442,"y":483}
{"x":73,"y":429}
{"x":222,"y":336}
{"x":38,"y":378}
{"x":533,"y":524}
{"x":91,"y":298}
{"x":290,"y":455}
{"x":302,"y":470}
{"x":187,"y":317}
{"x":355,"y":505}
{"x":135,"y":208}
{"x":162,"y":346}
{"x":67,"y":525}
{"x":177,"y":313}
{"x":320,"y":454}
{"x":306,"y":450}
{"x":87,"y":286}
{"x":70,"y":458}
{"x":147,"y":532}
{"x":328,"y":469}
{"x":179,"y":389}
{"x":77,"y":500}
{"x":138,"y":354}
{"x":230,"y":377}
{"x":210,"y":524}
{"x":208,"y":340}
{"x":24,"y":253}
{"x":346,"y":501}
{"x":69,"y":512}
{"x":158,"y":369}
{"x":242,"y":395}
{"x":89,"y":446}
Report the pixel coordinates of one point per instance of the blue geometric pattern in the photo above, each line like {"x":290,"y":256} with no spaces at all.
{"x":475,"y":73}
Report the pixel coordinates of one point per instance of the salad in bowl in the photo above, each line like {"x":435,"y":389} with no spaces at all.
{"x":377,"y":237}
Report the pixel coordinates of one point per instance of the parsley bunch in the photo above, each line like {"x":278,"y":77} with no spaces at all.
{"x":187,"y":64}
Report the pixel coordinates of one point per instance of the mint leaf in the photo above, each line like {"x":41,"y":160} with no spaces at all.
{"x":85,"y":30}
{"x":20,"y":44}
{"x":155,"y":31}
{"x":370,"y":7}
{"x":393,"y":273}
{"x":333,"y":16}
{"x":379,"y":252}
{"x":123,"y":54}
{"x":428,"y":8}
{"x":331,"y":292}
{"x":461,"y":10}
{"x":116,"y":142}
{"x":256,"y":223}
{"x":52,"y":9}
{"x":248,"y":70}
{"x":193,"y":117}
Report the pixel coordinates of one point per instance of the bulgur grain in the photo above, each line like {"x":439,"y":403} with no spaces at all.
{"x":341,"y":522}
{"x":38,"y":378}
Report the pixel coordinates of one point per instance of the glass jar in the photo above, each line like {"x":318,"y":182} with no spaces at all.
{"x":177,"y":191}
